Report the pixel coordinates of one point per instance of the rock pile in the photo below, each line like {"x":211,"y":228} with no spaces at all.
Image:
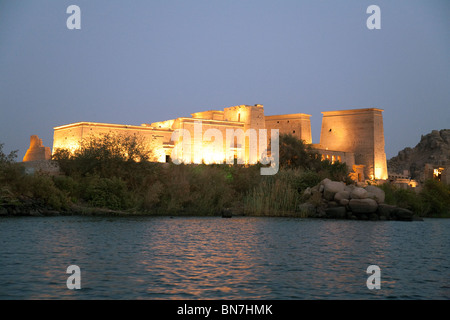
{"x":336,"y":200}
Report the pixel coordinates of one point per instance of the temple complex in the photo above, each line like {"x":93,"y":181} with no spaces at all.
{"x":355,"y":137}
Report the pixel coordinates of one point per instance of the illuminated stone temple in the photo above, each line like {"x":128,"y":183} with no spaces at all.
{"x":355,"y":137}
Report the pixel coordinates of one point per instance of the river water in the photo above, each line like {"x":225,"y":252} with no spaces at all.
{"x":215,"y":258}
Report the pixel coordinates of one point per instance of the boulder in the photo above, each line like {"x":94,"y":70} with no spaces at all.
{"x":365,"y":206}
{"x":307,"y":193}
{"x":344,"y":202}
{"x":373,"y":216}
{"x":336,"y":213}
{"x":341,"y":195}
{"x":331,"y":188}
{"x":349,"y":188}
{"x":307,"y":209}
{"x":386,"y":210}
{"x":403,"y":214}
{"x":3,"y":211}
{"x":358,"y":193}
{"x":314,"y":190}
{"x":375,"y":193}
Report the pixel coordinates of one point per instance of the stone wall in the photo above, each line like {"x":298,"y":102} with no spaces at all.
{"x":359,"y":131}
{"x":204,"y":145}
{"x":298,"y":125}
{"x":70,"y":136}
{"x":44,"y":166}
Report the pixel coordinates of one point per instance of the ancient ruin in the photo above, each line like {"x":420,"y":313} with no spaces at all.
{"x":355,"y":137}
{"x":37,"y":151}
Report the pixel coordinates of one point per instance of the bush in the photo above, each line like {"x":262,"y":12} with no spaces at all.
{"x":44,"y":189}
{"x":107,"y":193}
{"x":107,"y":155}
{"x":295,"y":153}
{"x":309,"y":179}
{"x":436,"y":198}
{"x":432,"y":201}
{"x":336,"y":171}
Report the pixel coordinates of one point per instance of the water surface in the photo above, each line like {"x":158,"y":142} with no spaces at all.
{"x":215,"y":258}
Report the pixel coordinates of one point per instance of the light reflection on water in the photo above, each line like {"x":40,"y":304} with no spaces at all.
{"x":215,"y":258}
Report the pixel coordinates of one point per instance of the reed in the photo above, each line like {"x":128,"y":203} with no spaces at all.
{"x":275,"y":195}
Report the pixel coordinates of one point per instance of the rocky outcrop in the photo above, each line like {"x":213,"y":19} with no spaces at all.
{"x":335,"y":200}
{"x":433,"y":148}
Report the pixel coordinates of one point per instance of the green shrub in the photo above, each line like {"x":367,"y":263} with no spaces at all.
{"x":44,"y":189}
{"x":295,"y":153}
{"x":107,"y":155}
{"x":436,"y":198}
{"x":108,"y":193}
{"x":309,"y":178}
{"x":432,"y":200}
{"x":407,"y":198}
{"x":389,"y":191}
{"x":336,"y":171}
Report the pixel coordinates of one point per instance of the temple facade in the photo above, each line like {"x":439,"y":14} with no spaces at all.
{"x":355,"y":137}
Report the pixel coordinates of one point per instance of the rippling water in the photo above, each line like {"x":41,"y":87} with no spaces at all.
{"x":215,"y":258}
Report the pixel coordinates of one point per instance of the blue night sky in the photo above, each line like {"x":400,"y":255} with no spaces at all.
{"x":137,"y":62}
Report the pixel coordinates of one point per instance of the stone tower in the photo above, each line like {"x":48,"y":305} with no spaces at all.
{"x":359,"y":131}
{"x":37,"y":151}
{"x":253,"y":118}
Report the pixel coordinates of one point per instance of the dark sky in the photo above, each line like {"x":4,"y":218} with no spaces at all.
{"x":137,"y":62}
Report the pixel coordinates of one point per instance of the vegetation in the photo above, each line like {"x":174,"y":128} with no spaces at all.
{"x":432,"y":201}
{"x":17,"y":187}
{"x":113,"y":172}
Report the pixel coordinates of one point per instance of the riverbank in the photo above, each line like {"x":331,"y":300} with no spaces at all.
{"x":154,"y":189}
{"x":33,"y":208}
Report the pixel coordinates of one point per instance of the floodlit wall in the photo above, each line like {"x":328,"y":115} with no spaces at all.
{"x":70,"y":136}
{"x":298,"y":125}
{"x":359,"y":131}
